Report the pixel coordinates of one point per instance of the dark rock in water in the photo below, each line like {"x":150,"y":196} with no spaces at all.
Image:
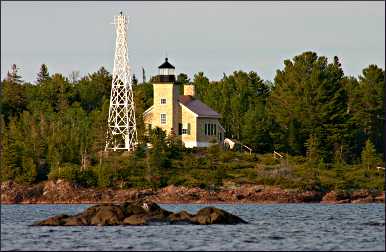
{"x":53,"y":221}
{"x":139,"y":213}
{"x":181,"y":217}
{"x":212,"y":215}
{"x":135,"y":219}
{"x":107,"y":215}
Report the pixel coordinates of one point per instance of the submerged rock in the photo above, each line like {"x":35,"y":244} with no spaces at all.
{"x":139,"y":213}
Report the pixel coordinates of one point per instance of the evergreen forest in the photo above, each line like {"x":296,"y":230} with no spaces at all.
{"x":328,"y":126}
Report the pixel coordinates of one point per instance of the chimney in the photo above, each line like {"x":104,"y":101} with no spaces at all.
{"x":189,"y":90}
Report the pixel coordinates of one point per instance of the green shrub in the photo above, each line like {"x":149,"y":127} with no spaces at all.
{"x":176,"y":180}
{"x":296,"y":160}
{"x":140,"y":152}
{"x":87,"y":178}
{"x":268,"y":159}
{"x":226,"y":156}
{"x":104,"y":175}
{"x":67,"y":171}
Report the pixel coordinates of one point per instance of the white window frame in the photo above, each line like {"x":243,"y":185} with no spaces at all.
{"x":161,"y":119}
{"x":166,"y":71}
{"x":184,"y":131}
{"x":163,"y":99}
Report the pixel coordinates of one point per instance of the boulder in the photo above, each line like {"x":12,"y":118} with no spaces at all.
{"x":59,"y":220}
{"x":76,"y":221}
{"x":107,"y":215}
{"x":336,"y":197}
{"x":212,"y":215}
{"x":181,"y":217}
{"x":139,"y":213}
{"x":368,"y":199}
{"x":360,"y":194}
{"x":380,"y":198}
{"x":345,"y":201}
{"x":135,"y":219}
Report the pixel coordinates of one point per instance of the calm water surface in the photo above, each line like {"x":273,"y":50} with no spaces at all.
{"x":272,"y":227}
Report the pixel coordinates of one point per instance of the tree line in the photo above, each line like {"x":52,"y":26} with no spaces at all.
{"x":310,"y":109}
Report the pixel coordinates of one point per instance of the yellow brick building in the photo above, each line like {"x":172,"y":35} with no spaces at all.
{"x":189,"y":118}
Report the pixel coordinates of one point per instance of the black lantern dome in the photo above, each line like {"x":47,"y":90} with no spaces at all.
{"x":166,"y":72}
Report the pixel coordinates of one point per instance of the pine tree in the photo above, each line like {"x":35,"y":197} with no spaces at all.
{"x":201,"y":84}
{"x":13,"y":76}
{"x":368,"y":108}
{"x":43,"y":74}
{"x":309,"y":91}
{"x":255,"y":131}
{"x":369,"y":155}
{"x":312,"y":149}
{"x":134,"y":80}
{"x":174,"y":145}
{"x":182,"y":79}
{"x":143,"y":75}
{"x":7,"y":155}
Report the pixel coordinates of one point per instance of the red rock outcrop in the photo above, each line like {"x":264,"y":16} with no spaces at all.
{"x":60,"y":191}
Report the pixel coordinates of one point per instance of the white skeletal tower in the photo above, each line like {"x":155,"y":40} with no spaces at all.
{"x":122,"y":131}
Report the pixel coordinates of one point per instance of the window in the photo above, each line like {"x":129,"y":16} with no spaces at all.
{"x":163,"y":71}
{"x":210,"y":129}
{"x":184,"y":129}
{"x":163,"y":101}
{"x":163,"y":118}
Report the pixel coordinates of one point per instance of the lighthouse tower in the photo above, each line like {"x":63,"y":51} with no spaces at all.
{"x":122,"y":131}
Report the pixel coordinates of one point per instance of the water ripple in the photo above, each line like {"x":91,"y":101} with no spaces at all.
{"x":271,"y":227}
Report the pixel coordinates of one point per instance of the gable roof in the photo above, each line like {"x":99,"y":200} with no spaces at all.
{"x":197,"y":107}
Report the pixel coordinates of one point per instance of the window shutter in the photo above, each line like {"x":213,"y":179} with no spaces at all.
{"x":180,"y":129}
{"x":188,"y":128}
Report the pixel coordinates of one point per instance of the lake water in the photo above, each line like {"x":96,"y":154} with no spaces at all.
{"x":271,"y":227}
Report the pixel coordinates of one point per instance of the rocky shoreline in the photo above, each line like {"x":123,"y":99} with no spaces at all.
{"x":62,"y":192}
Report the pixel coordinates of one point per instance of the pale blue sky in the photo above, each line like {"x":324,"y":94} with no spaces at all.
{"x":213,"y":37}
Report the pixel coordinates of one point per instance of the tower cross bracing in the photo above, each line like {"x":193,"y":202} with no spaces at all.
{"x":122,"y":131}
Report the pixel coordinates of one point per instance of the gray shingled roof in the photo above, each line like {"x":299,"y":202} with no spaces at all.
{"x":197,"y":106}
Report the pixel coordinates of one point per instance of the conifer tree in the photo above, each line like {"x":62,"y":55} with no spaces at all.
{"x":369,"y":155}
{"x":312,"y":149}
{"x":134,"y":80}
{"x":13,"y":76}
{"x":143,"y":75}
{"x":43,"y":74}
{"x":309,"y":91}
{"x":201,"y":84}
{"x":368,"y":108}
{"x":182,"y":79}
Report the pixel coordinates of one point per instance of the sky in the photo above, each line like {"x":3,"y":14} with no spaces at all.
{"x":212,"y":37}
